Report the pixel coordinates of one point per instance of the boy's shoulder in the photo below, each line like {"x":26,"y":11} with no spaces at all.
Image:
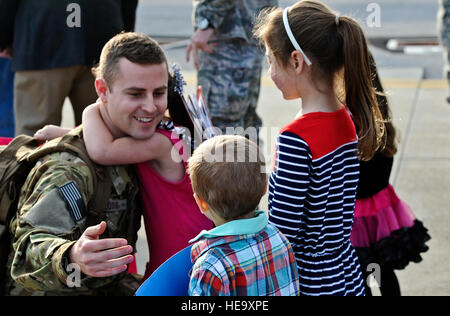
{"x":232,"y":262}
{"x":212,"y":250}
{"x":274,"y":232}
{"x":276,"y":238}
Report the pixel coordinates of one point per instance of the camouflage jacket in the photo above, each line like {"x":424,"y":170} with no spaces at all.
{"x":48,"y":224}
{"x":231,"y":19}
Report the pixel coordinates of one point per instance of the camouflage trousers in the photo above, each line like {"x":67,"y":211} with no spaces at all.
{"x":231,"y":79}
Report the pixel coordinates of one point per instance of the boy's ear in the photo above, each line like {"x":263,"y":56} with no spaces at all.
{"x":265,"y":188}
{"x":101,"y":88}
{"x":203,"y":206}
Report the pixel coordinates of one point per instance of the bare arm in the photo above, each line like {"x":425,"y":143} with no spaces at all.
{"x":49,"y":132}
{"x":105,"y":150}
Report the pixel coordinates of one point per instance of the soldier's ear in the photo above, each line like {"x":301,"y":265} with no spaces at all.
{"x":101,"y":88}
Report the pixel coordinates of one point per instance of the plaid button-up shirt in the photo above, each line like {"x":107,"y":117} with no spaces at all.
{"x":247,"y":257}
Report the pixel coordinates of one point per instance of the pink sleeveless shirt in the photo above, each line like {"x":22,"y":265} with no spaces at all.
{"x":171,"y":216}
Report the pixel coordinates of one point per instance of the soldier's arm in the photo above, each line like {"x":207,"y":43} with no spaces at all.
{"x":49,"y":221}
{"x":214,"y":11}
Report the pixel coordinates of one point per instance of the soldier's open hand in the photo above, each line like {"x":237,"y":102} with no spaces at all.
{"x":200,"y":41}
{"x":101,"y":257}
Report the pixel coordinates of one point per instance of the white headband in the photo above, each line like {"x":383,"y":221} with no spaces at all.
{"x":337,"y":18}
{"x":291,"y":36}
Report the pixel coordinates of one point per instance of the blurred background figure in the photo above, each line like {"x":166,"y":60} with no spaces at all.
{"x":444,"y":28}
{"x":54,"y":45}
{"x":228,"y":59}
{"x":6,"y":95}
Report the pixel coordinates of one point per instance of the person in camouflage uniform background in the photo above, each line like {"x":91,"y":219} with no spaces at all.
{"x":229,"y":67}
{"x":54,"y":226}
{"x":444,"y":29}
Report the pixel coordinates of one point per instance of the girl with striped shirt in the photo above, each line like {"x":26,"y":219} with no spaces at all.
{"x":311,"y":50}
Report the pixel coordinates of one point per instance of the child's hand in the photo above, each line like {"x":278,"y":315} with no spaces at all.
{"x":49,"y":132}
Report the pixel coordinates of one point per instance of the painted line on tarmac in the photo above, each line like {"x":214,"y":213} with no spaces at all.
{"x":389,"y":83}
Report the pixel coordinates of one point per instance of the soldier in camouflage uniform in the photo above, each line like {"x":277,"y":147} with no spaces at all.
{"x":53,"y":237}
{"x":229,"y":59}
{"x":47,"y":227}
{"x":444,"y":29}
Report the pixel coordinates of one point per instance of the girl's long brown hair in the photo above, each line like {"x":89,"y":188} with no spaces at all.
{"x":332,"y":47}
{"x":389,"y":143}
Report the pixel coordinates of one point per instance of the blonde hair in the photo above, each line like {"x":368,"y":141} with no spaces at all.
{"x":333,"y":43}
{"x":228,"y":173}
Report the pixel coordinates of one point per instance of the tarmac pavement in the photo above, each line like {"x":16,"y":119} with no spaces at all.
{"x":421,"y":173}
{"x":421,"y":170}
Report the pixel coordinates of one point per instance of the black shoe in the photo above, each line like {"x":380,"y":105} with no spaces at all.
{"x":448,"y":99}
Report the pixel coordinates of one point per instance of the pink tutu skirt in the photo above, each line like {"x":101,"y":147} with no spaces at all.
{"x":385,"y":231}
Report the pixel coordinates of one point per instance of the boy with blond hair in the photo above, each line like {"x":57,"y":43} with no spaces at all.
{"x":244,"y":255}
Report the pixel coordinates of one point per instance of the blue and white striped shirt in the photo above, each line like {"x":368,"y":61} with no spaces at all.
{"x":312,"y":193}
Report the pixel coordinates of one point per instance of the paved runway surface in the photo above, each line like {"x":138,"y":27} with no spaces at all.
{"x":417,"y":95}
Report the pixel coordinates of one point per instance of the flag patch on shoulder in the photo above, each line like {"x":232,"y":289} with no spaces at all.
{"x":74,"y":200}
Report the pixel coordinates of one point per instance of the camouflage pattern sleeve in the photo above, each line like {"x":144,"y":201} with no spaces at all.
{"x":214,"y":11}
{"x":230,"y":19}
{"x":45,"y":227}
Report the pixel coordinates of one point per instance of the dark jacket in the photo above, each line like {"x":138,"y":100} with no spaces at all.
{"x":42,"y":38}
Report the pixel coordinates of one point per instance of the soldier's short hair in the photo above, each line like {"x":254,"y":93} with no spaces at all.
{"x":228,"y":173}
{"x":136,"y":47}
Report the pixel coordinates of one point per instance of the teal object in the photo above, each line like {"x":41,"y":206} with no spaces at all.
{"x":171,"y":278}
{"x":6,"y":98}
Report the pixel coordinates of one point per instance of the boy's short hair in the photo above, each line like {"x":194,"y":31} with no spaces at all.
{"x":136,"y":47}
{"x":228,"y":172}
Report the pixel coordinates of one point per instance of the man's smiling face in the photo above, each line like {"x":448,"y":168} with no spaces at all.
{"x":136,"y":100}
